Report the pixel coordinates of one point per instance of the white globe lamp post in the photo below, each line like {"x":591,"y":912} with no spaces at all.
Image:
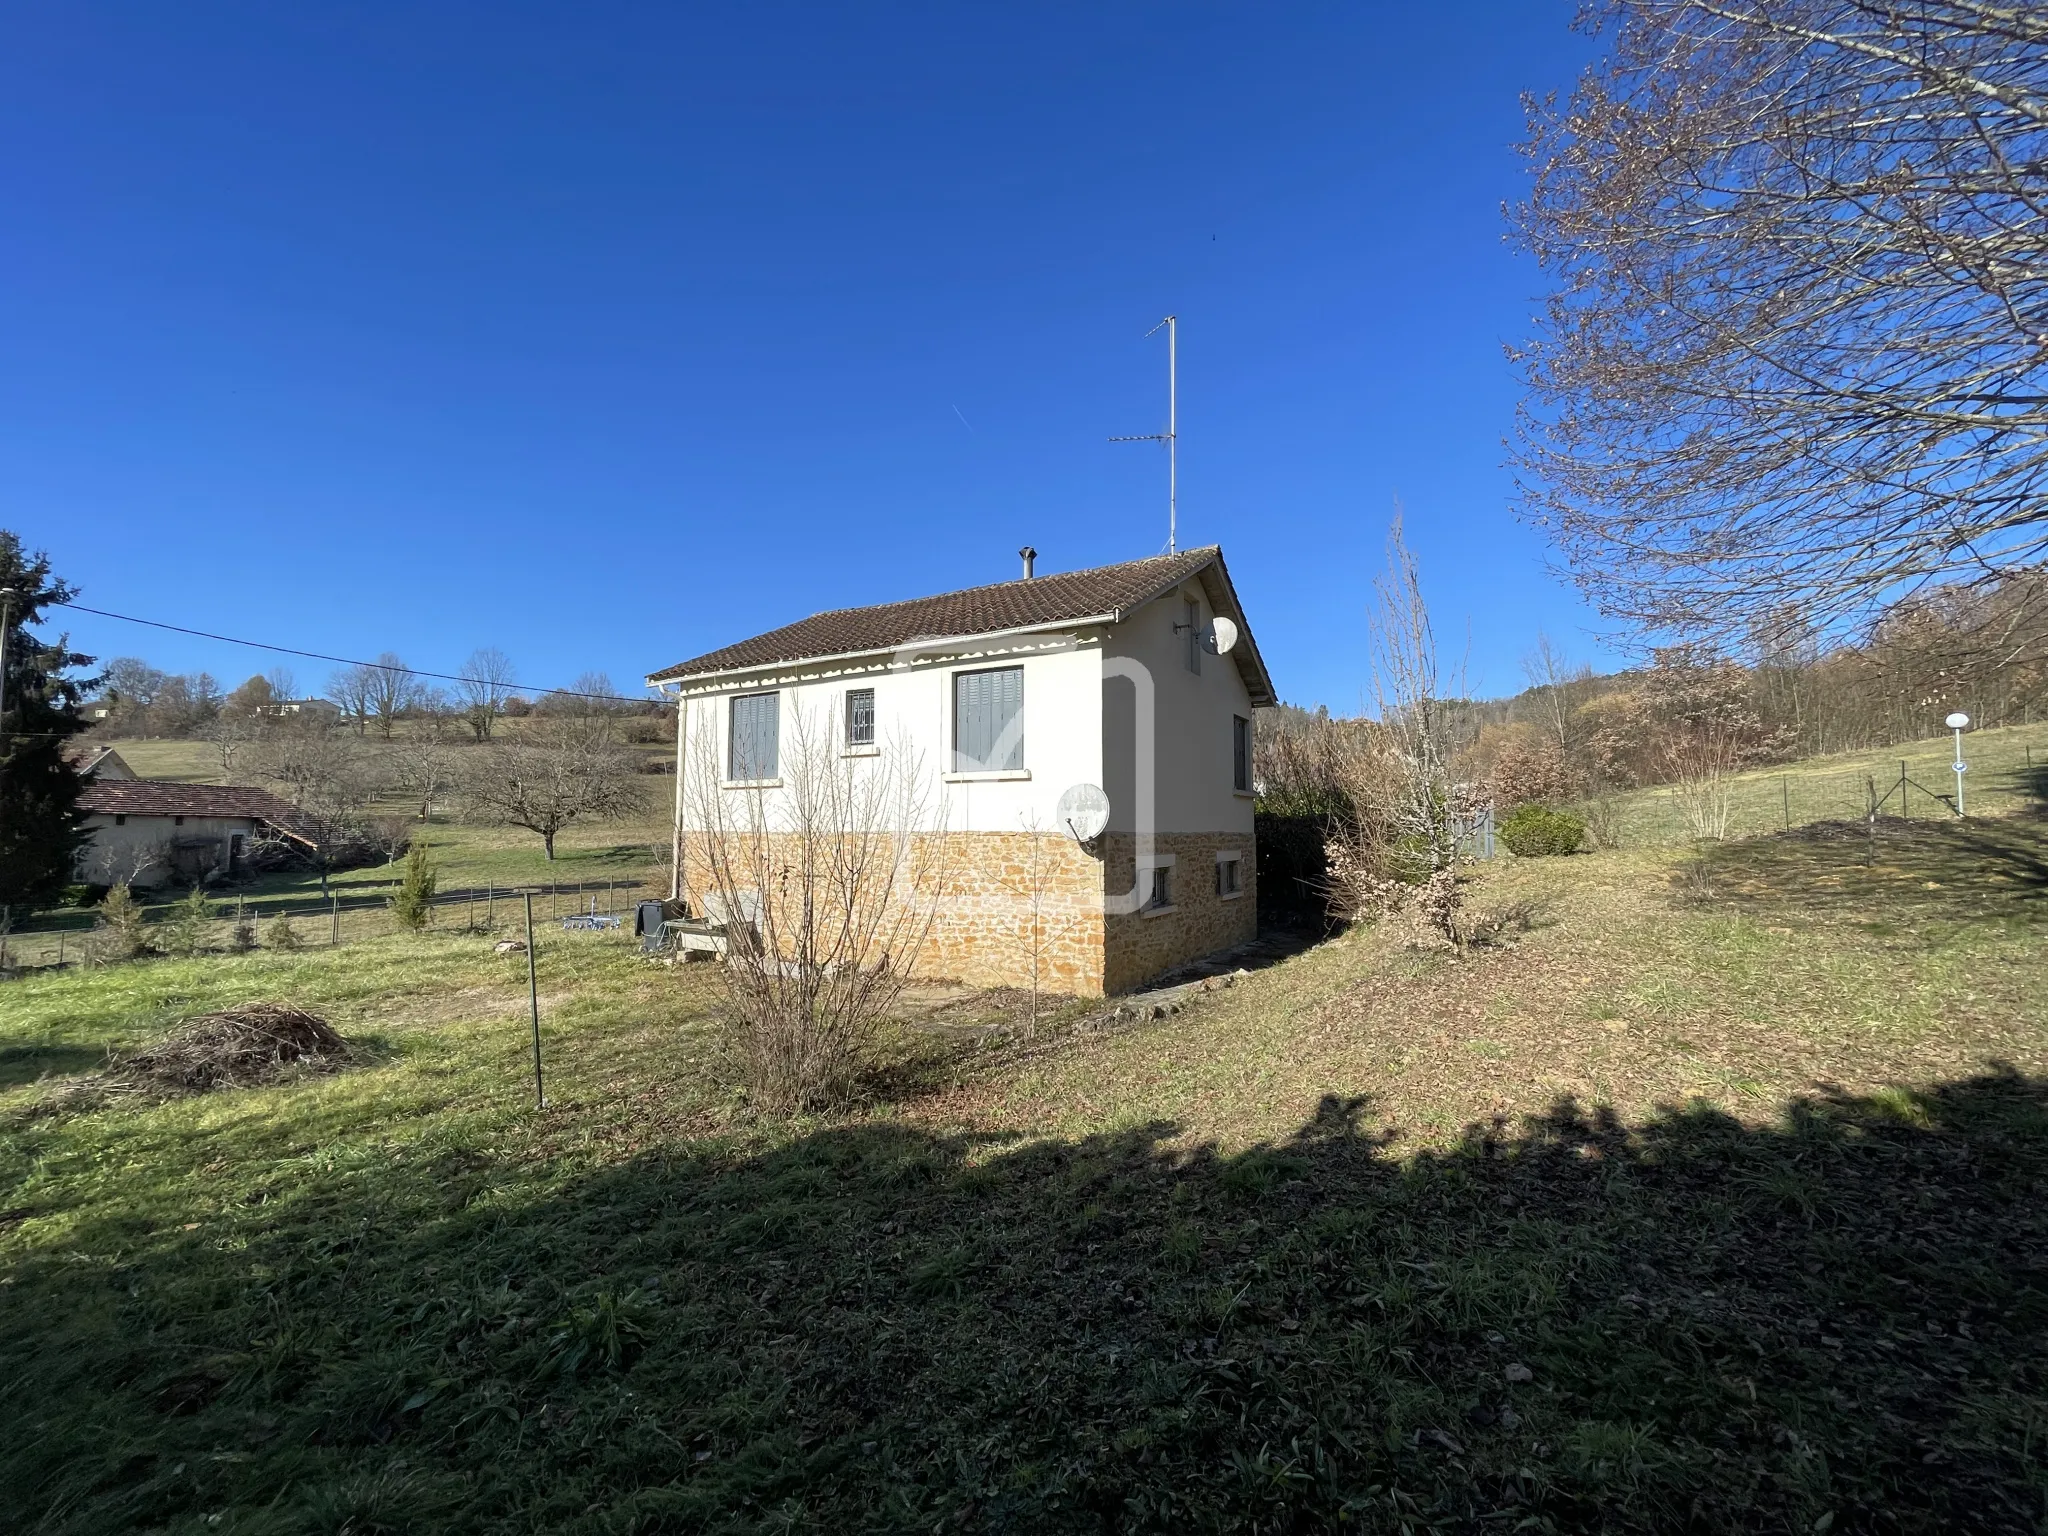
{"x":1959,"y":722}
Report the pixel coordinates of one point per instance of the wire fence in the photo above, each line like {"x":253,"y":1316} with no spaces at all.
{"x":347,"y":915}
{"x":2004,"y":775}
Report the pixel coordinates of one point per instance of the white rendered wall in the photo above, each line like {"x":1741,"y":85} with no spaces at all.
{"x":914,"y":713}
{"x":1191,"y":712}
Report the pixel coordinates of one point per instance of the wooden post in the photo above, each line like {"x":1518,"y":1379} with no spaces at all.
{"x":1785,"y":790}
{"x":334,"y":919}
{"x":1902,"y":789}
{"x":540,"y":1098}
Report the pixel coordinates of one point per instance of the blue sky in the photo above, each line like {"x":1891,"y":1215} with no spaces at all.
{"x":610,"y":334}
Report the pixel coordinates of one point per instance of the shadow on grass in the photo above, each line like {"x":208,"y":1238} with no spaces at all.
{"x":27,"y":1063}
{"x":1684,"y":1324}
{"x":1976,"y":869}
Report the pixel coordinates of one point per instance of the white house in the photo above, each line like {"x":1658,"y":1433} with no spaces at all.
{"x":147,"y":832}
{"x":1137,"y":679}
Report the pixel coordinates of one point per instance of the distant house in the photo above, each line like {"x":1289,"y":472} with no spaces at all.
{"x":326,"y":709}
{"x":1127,"y":688}
{"x":150,"y":832}
{"x":98,"y":762}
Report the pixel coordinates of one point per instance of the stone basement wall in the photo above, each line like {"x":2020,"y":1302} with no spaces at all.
{"x":983,"y":933}
{"x":1138,"y":946}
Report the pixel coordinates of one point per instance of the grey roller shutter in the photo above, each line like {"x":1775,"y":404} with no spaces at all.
{"x":988,"y":721}
{"x":756,"y":723}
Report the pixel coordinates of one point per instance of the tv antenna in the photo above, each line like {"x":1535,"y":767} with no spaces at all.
{"x":1169,"y":437}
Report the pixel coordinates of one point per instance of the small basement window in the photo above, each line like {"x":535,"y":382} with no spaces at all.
{"x":860,"y":717}
{"x":1159,"y":890}
{"x":1229,"y":875}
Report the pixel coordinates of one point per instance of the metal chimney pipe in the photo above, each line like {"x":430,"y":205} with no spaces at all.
{"x":1028,"y":554}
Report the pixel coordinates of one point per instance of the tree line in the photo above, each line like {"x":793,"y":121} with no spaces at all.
{"x":135,"y":699}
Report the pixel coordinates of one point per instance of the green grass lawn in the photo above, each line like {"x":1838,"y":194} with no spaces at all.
{"x":2008,"y":771}
{"x":1710,"y":1203}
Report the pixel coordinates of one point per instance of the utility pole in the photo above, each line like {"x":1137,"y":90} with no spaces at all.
{"x":1171,"y":436}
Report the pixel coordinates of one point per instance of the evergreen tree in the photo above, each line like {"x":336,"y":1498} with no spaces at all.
{"x":41,"y":825}
{"x":413,"y":902}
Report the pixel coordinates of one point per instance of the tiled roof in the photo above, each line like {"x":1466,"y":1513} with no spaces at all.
{"x":1106,"y":592}
{"x":163,"y":797}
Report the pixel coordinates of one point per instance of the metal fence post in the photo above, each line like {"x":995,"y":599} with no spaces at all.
{"x":334,"y":919}
{"x":540,"y":1098}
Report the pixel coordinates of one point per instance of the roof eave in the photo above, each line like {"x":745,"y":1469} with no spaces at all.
{"x":676,"y":674}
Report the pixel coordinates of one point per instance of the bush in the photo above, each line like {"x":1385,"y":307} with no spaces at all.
{"x":83,"y":895}
{"x":414,"y":902}
{"x":279,"y":933}
{"x":190,"y":925}
{"x":1537,"y":831}
{"x":117,"y":932}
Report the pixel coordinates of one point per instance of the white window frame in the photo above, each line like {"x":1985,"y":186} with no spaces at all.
{"x":773,"y":779}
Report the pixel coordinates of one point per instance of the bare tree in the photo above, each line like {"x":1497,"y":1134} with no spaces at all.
{"x":1796,"y":359}
{"x":283,"y":683}
{"x":1399,"y":779}
{"x":353,"y":689}
{"x":1550,"y":675}
{"x":425,"y":765}
{"x":230,"y":733}
{"x":834,"y":884}
{"x":392,"y":689}
{"x":486,"y":684}
{"x":1705,"y":732}
{"x":562,"y":771}
{"x":591,"y":693}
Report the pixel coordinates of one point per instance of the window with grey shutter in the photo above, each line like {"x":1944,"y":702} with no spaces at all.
{"x":756,"y":725}
{"x":1240,"y":753}
{"x":988,"y":720}
{"x":860,"y":717}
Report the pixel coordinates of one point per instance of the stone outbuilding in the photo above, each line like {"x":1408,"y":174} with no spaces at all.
{"x":1129,"y":688}
{"x":151,"y":832}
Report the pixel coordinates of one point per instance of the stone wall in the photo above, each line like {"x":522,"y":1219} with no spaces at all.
{"x":1007,"y":894}
{"x":986,"y":928}
{"x":1139,"y":945}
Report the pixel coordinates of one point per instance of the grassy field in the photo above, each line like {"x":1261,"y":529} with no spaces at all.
{"x":1711,"y":1202}
{"x":2006,"y":771}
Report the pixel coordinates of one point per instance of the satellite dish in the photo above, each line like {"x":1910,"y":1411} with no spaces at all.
{"x":1958,"y":721}
{"x":1222,"y":635}
{"x":1084,"y":811}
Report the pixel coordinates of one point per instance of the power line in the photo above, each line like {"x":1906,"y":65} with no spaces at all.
{"x":346,"y":661}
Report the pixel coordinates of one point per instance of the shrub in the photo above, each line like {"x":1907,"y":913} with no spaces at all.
{"x":83,"y":895}
{"x":190,"y":925}
{"x":414,"y":902}
{"x":1537,"y":831}
{"x":279,"y":933}
{"x":242,"y":936}
{"x":117,"y":933}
